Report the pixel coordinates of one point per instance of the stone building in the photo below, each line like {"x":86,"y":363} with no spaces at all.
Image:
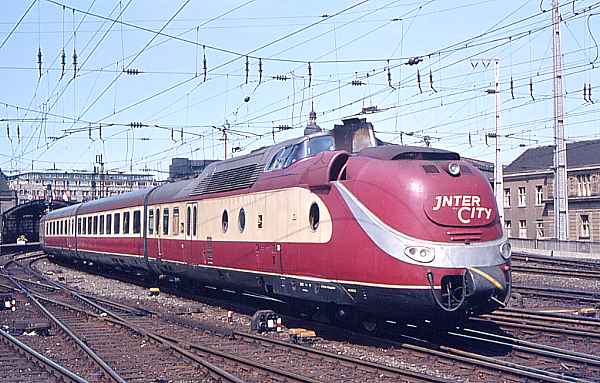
{"x":75,"y":186}
{"x":528,"y":192}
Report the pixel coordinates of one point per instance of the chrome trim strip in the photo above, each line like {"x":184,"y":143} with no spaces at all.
{"x":393,"y":242}
{"x":282,"y":276}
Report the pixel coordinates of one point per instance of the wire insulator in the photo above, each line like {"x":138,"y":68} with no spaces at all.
{"x":18,"y":133}
{"x":39,"y":56}
{"x":181,"y":135}
{"x":590,"y":93}
{"x":74,"y":63}
{"x":172,"y":135}
{"x":309,"y":74}
{"x":260,"y":70}
{"x":247,"y":69}
{"x":585,"y":97}
{"x":512,"y":88}
{"x":204,"y":62}
{"x":8,"y":132}
{"x":132,"y":72}
{"x":280,"y":77}
{"x":389,"y":75}
{"x":414,"y":60}
{"x":63,"y":62}
{"x":357,"y":83}
{"x":431,"y":81}
{"x":531,"y":88}
{"x":419,"y":81}
{"x":470,"y":142}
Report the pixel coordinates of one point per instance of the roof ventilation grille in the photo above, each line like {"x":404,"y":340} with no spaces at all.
{"x":430,"y":169}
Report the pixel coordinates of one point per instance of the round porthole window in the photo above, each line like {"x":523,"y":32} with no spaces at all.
{"x":313,"y":216}
{"x":225,"y":221}
{"x":242,"y":220}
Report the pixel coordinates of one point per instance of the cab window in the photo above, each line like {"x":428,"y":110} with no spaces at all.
{"x":320,"y":144}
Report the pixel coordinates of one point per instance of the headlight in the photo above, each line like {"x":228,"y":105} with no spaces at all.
{"x":420,"y":254}
{"x":454,"y":168}
{"x":505,"y":250}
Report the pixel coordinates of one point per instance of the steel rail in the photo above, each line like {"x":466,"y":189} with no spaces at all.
{"x":49,"y":363}
{"x":99,"y":361}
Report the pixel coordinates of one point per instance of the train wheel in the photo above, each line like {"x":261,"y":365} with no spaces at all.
{"x":369,"y":325}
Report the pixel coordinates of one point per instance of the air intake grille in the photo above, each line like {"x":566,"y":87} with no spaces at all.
{"x":430,"y":169}
{"x":230,"y":179}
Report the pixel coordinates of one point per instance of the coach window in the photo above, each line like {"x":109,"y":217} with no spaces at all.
{"x":157,"y":223}
{"x":101,"y":225}
{"x":89,"y":225}
{"x":126,"y":220}
{"x":78,"y":225}
{"x":117,"y":220}
{"x":165,"y":226}
{"x":108,"y":223}
{"x":151,"y":222}
{"x":225,"y":221}
{"x":137,"y":222}
{"x":95,"y":225}
{"x":175,"y":228}
{"x":195,"y":221}
{"x":188,"y":221}
{"x":61,"y":228}
{"x":242,"y":220}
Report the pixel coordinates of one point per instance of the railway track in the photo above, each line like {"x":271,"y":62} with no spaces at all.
{"x":21,"y":363}
{"x":463,"y":363}
{"x":538,"y":264}
{"x":247,"y":361}
{"x":559,"y":365}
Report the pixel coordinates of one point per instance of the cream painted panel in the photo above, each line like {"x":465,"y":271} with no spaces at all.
{"x":285,"y":217}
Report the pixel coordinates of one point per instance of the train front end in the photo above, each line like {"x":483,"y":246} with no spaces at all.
{"x":434,"y":220}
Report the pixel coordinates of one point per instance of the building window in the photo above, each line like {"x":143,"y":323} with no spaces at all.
{"x":506,"y":197}
{"x":539,"y":195}
{"x":539,"y":229}
{"x":584,"y":185}
{"x":584,"y":231}
{"x":137,"y":222}
{"x":165,"y":221}
{"x":508,"y":226}
{"x":522,"y":228}
{"x":522,"y":196}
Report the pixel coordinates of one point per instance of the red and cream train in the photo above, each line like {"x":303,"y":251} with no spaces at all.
{"x":333,"y":218}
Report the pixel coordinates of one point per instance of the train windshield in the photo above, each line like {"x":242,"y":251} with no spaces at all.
{"x":320,"y":144}
{"x":292,"y":153}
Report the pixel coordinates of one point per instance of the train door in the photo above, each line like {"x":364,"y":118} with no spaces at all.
{"x":268,"y":257}
{"x":191,"y":233}
{"x":71,"y":234}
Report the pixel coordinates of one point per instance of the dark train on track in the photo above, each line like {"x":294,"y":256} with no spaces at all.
{"x":332,"y":219}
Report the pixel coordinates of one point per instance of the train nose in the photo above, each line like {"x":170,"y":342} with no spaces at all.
{"x":487,"y":286}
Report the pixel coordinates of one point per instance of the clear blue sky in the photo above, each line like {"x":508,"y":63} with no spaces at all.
{"x":171,"y":92}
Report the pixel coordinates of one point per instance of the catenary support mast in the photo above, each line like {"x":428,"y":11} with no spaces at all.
{"x":560,"y":151}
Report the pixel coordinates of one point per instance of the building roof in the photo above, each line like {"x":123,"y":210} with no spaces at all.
{"x":579,"y":154}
